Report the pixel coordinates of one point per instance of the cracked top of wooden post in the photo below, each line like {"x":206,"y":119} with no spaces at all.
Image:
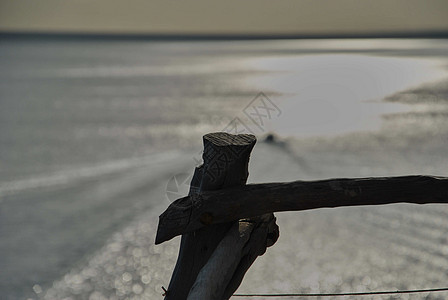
{"x":223,"y":139}
{"x":225,"y":154}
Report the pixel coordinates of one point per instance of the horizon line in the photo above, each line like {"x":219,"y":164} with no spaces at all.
{"x":201,"y":37}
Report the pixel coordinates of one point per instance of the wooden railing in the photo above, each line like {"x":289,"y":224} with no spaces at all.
{"x":226,"y":224}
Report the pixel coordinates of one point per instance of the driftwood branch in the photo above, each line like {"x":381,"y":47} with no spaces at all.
{"x":224,"y":271}
{"x":264,"y":234}
{"x":208,"y":208}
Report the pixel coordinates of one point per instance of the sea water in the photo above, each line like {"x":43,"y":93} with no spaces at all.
{"x":89,"y":129}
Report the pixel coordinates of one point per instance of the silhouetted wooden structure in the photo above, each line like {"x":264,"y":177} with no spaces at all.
{"x":226,"y":224}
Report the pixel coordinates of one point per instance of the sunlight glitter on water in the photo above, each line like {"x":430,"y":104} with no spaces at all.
{"x":338,"y":93}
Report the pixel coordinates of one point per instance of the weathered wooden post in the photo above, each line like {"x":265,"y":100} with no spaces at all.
{"x":226,"y":159}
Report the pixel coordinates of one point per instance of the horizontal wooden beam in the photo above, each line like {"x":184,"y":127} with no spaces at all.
{"x":198,"y":210}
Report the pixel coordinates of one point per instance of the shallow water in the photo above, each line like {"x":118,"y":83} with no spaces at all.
{"x":91,"y":132}
{"x":70,"y":104}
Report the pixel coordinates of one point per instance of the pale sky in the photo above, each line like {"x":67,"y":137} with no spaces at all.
{"x":224,"y":17}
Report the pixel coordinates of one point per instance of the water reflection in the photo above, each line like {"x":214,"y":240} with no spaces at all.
{"x":338,"y":93}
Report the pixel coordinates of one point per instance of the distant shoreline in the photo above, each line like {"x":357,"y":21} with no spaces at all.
{"x":211,"y":37}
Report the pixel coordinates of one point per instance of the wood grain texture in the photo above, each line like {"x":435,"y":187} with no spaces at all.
{"x":211,"y":280}
{"x":226,"y":159}
{"x":209,"y":208}
{"x":242,"y":244}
